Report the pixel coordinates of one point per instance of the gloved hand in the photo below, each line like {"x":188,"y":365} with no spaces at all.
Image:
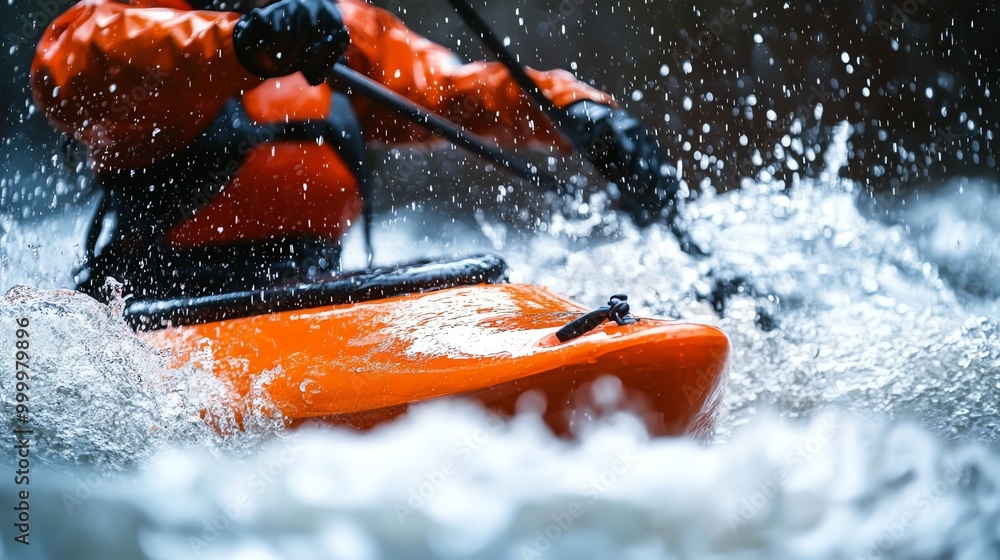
{"x":291,"y":36}
{"x":627,"y":155}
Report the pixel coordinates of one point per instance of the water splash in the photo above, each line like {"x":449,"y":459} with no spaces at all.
{"x":826,"y":308}
{"x":98,"y":394}
{"x":452,"y":482}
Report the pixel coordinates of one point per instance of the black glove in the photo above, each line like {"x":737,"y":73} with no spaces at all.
{"x":627,"y":155}
{"x":291,"y":36}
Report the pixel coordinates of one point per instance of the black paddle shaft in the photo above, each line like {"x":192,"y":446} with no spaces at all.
{"x":520,"y":75}
{"x":345,"y":78}
{"x":557,"y":115}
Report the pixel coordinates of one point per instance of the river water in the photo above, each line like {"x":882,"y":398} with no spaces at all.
{"x":861,"y":417}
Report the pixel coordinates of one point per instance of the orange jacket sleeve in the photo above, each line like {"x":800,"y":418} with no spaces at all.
{"x":480,"y":96}
{"x":136,"y":82}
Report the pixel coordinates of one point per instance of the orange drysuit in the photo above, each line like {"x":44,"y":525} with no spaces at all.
{"x":142,"y":84}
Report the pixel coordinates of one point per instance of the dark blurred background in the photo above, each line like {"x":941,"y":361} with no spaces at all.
{"x":732,"y":87}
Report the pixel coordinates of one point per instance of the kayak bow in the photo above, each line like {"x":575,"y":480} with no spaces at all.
{"x":360,"y":364}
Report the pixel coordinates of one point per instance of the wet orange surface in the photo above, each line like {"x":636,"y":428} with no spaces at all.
{"x":365,"y":363}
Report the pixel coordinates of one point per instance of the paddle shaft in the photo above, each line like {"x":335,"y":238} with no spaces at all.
{"x":520,"y":75}
{"x":557,"y":115}
{"x":355,"y":82}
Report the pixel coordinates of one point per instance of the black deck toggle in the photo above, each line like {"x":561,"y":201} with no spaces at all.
{"x":617,"y":310}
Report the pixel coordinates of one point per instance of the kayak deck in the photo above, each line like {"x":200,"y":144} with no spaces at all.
{"x":365,"y":363}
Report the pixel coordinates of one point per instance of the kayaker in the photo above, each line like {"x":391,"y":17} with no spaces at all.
{"x":227,"y":162}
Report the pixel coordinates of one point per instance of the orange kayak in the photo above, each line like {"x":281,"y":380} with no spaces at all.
{"x":360,"y":364}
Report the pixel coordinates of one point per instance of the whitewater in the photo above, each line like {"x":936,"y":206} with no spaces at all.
{"x":860,"y":418}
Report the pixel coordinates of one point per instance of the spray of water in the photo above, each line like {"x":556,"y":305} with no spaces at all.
{"x":827,"y":310}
